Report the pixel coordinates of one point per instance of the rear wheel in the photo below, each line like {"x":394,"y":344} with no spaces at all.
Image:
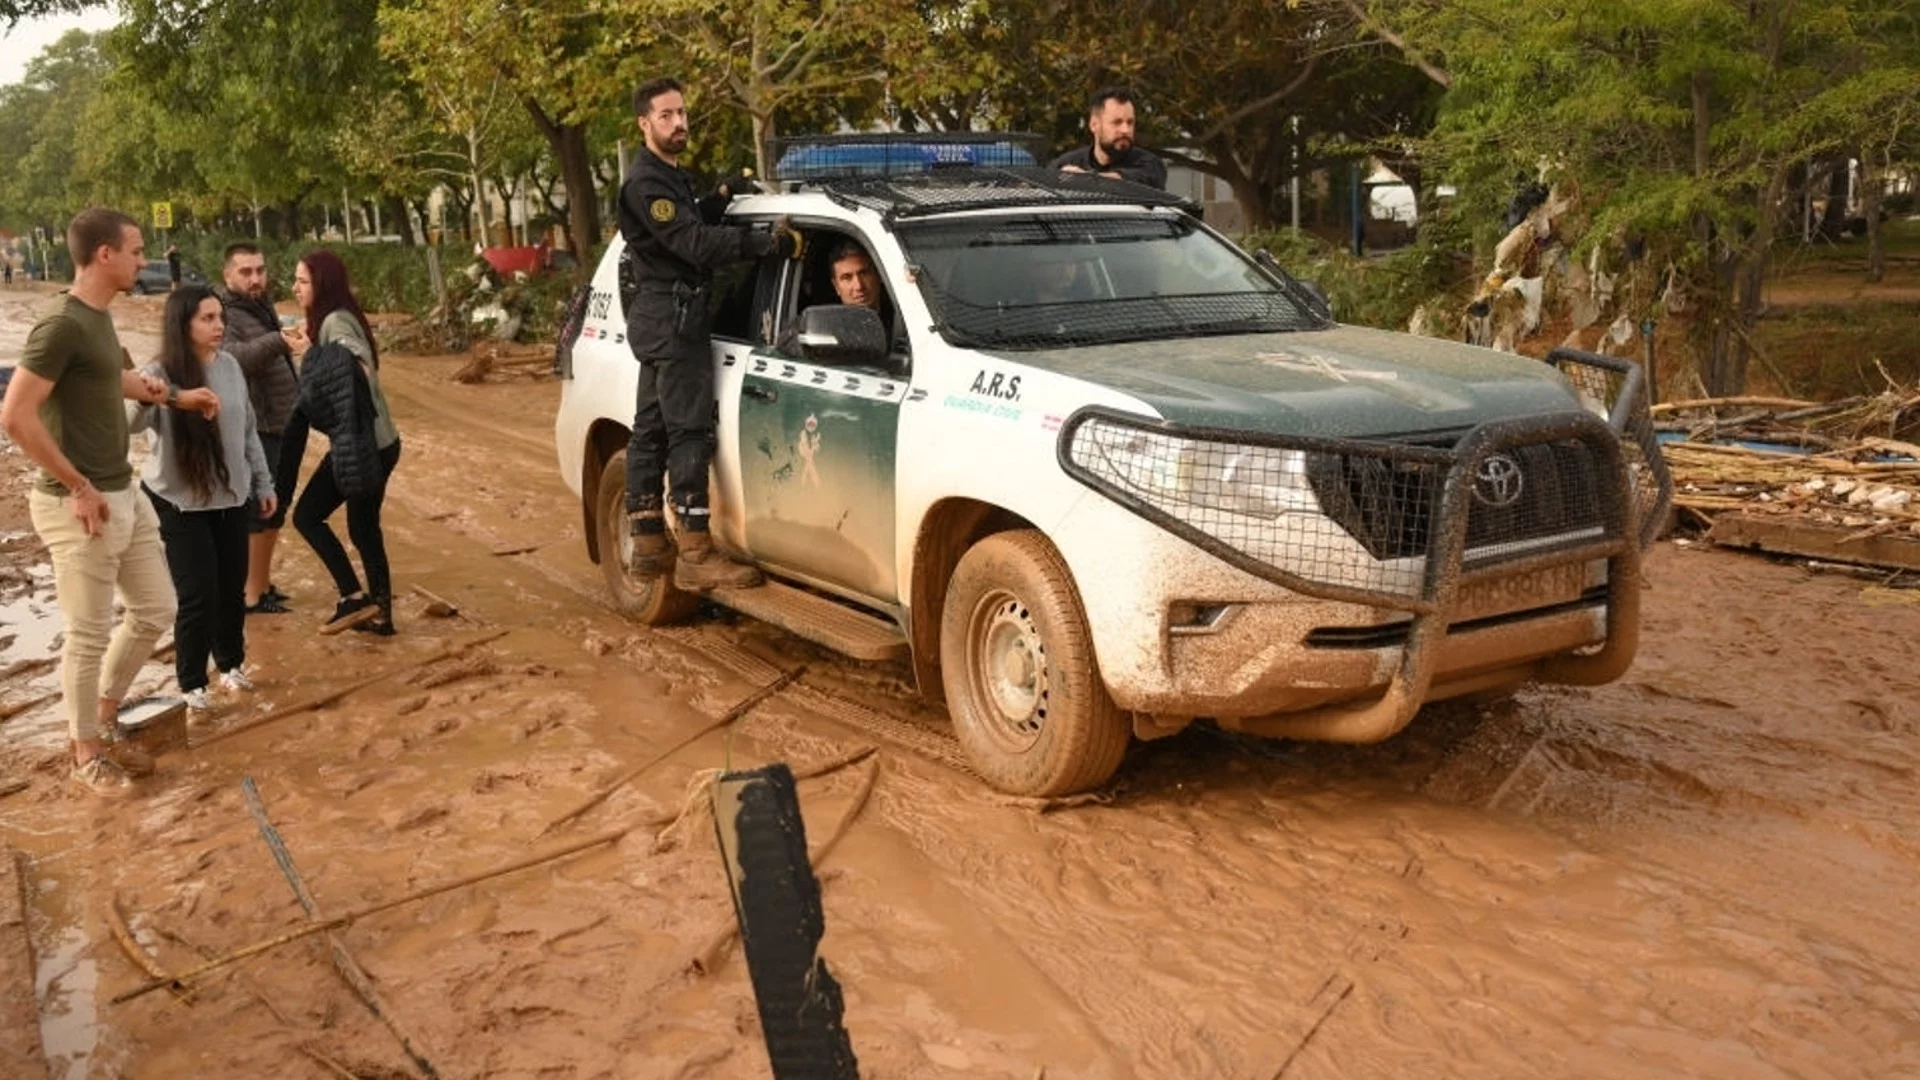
{"x":653,"y":601}
{"x":1023,"y":687}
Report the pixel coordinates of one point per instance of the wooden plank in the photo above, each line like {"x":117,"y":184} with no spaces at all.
{"x":21,"y":1055}
{"x":1813,"y":540}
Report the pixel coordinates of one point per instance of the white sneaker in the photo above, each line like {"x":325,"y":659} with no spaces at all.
{"x":197,"y":700}
{"x":235,"y":680}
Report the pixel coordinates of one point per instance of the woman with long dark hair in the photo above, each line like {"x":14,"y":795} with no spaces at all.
{"x":342,"y":400}
{"x":204,"y":479}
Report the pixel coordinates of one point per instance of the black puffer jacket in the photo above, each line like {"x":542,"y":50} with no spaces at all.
{"x":335,"y":400}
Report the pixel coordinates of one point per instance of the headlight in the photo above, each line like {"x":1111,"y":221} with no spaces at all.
{"x":1256,"y":481}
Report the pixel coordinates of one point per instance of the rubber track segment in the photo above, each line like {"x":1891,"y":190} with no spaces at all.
{"x":777,"y":899}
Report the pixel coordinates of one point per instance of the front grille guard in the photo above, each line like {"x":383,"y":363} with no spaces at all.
{"x":1326,"y":560}
{"x":1618,"y":387}
{"x":1436,"y":582}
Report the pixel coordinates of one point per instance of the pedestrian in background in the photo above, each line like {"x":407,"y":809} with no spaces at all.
{"x":206,"y":479}
{"x":173,"y":267}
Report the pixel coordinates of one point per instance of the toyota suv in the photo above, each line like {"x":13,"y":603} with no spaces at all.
{"x":1095,"y":472}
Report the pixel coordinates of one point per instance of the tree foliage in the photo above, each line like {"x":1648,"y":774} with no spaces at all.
{"x":1685,"y":124}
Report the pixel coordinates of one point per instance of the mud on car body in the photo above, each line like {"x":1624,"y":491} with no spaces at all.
{"x":1105,"y":473}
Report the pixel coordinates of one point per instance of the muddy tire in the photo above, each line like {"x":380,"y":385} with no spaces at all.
{"x":1023,"y":688}
{"x":654,"y":602}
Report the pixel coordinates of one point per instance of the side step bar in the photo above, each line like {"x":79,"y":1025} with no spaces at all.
{"x":818,"y":619}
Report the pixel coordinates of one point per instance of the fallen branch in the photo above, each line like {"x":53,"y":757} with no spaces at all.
{"x":1346,"y":988}
{"x":743,"y":708}
{"x":320,"y":701}
{"x":1742,"y":399}
{"x":316,"y":1056}
{"x":122,"y":933}
{"x":708,"y":959}
{"x":343,"y":961}
{"x":453,"y":610}
{"x":321,"y":926}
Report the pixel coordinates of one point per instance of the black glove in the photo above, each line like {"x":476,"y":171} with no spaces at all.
{"x":739,"y":184}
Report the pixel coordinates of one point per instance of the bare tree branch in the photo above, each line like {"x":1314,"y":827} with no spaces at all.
{"x":1414,"y":56}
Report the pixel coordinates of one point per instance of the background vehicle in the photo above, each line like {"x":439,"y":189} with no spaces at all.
{"x":154,"y":277}
{"x":1098,"y":473}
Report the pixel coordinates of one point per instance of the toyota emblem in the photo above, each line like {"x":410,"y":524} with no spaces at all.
{"x":1498,"y":481}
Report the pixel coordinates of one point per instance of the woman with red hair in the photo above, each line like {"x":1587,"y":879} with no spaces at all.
{"x":342,"y":399}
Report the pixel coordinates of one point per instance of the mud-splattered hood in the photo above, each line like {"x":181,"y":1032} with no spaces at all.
{"x":1347,"y":381}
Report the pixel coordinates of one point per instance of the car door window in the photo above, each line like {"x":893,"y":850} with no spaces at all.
{"x":813,"y":283}
{"x":734,"y":289}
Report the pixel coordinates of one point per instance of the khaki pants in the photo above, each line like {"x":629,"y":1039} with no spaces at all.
{"x":99,"y":659}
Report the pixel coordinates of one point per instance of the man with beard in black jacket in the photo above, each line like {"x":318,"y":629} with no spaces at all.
{"x":674,"y":244}
{"x":1112,"y":152}
{"x":253,"y":337}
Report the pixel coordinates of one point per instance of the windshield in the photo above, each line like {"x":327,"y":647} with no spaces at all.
{"x":1046,"y":281}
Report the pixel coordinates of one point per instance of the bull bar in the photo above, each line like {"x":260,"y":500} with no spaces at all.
{"x":1416,"y":504}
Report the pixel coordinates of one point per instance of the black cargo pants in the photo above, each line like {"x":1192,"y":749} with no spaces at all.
{"x":673,"y":414}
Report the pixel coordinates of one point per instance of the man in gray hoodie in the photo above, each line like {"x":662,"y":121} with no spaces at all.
{"x":253,"y":337}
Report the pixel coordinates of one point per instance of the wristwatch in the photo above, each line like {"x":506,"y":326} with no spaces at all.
{"x":173,"y":395}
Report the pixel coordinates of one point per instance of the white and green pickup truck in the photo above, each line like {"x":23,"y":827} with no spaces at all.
{"x":1096,"y":472}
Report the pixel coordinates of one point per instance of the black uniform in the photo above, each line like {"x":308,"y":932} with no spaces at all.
{"x":674,"y":243}
{"x":1133,"y":163}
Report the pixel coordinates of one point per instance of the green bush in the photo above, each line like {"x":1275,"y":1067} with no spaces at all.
{"x":386,"y":277}
{"x":1377,"y":290}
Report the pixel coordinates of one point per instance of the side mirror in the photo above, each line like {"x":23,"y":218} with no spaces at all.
{"x":1319,"y":295}
{"x":842,"y":336}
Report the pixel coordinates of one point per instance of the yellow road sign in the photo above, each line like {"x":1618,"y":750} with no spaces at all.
{"x":163,"y":215}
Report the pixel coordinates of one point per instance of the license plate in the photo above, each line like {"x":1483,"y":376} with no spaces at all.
{"x":1538,"y":588}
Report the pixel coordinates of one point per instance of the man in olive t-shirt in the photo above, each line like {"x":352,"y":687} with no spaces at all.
{"x":63,"y":408}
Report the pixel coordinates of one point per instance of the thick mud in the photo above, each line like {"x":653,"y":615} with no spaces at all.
{"x":1710,"y":868}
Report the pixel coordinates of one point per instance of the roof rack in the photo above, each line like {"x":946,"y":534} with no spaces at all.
{"x":950,"y":190}
{"x":816,"y":158}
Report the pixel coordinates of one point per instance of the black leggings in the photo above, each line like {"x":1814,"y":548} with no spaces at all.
{"x":207,"y":559}
{"x":318,"y":502}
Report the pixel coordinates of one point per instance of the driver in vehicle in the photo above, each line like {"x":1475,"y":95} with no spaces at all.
{"x":856,"y":283}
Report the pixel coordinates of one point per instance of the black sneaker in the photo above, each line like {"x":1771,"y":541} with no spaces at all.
{"x":273,"y":593}
{"x":382,"y":623}
{"x":351,"y":612}
{"x":269,"y":604}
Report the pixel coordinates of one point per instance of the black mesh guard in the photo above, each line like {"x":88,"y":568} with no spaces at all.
{"x":1368,"y":521}
{"x":947,"y":190}
{"x":1616,"y":388}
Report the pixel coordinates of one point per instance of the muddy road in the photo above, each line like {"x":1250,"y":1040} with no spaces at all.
{"x":1711,"y":868}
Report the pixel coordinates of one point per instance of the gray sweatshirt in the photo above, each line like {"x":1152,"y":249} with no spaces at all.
{"x":342,"y":327}
{"x":247,"y":473}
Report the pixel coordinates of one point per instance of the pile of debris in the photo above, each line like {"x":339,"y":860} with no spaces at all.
{"x":1834,"y":481}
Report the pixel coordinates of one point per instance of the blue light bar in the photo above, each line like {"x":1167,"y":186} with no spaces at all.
{"x":834,"y":157}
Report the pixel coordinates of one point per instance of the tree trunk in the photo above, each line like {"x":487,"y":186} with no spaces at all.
{"x":395,"y":210}
{"x":1871,"y":183}
{"x":1246,"y":190}
{"x":568,"y":144}
{"x":763,"y":135}
{"x":1833,"y":221}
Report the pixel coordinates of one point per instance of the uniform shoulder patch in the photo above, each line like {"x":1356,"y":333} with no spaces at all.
{"x":662,"y":210}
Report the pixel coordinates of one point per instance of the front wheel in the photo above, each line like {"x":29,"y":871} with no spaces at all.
{"x":652,"y":601}
{"x":1023,"y":687}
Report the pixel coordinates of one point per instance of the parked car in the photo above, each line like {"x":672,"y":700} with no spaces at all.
{"x":154,"y":277}
{"x":1097,"y":472}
